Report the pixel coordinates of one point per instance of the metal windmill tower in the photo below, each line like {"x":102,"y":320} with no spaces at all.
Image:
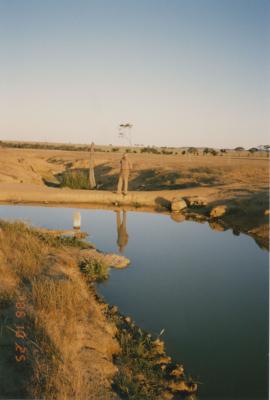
{"x":125,"y":132}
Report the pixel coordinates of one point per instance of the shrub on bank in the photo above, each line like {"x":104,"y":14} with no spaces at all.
{"x":94,"y":270}
{"x":75,"y":179}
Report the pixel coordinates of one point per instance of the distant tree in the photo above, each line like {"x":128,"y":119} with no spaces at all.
{"x":149,"y":149}
{"x":192,"y":150}
{"x":167,"y":152}
{"x":253,"y":150}
{"x":239,"y":148}
{"x":223,"y":150}
{"x":208,"y":150}
{"x":184,"y":152}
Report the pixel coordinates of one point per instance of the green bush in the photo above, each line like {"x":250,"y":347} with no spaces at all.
{"x":75,"y":179}
{"x":149,"y":149}
{"x":94,"y":270}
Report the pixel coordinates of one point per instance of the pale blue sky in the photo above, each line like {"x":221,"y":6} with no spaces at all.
{"x":184,"y":72}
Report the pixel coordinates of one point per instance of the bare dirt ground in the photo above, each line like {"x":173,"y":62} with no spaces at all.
{"x":150,"y":172}
{"x":28,"y":175}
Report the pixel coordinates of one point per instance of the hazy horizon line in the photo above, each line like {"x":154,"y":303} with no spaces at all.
{"x":127,"y":146}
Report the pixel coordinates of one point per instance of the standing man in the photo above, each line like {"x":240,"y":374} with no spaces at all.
{"x":125,"y":167}
{"x":92,"y":180}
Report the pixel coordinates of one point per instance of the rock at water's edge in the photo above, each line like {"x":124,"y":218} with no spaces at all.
{"x":178,"y":204}
{"x":196,"y":202}
{"x":218,"y":211}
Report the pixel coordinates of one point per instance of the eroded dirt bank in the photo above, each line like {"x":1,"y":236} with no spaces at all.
{"x":58,"y":340}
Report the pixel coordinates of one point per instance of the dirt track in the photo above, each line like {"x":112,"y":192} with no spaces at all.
{"x":27,"y":193}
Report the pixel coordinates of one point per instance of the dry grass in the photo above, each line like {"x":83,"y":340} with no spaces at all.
{"x":27,"y":255}
{"x":69,"y":343}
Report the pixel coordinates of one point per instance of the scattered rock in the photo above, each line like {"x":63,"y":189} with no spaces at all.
{"x":164,"y":360}
{"x":196,"y":202}
{"x":167,"y":395}
{"x":267,"y":212}
{"x":183,"y":387}
{"x":159,"y":345}
{"x":178,"y":371}
{"x":114,"y":309}
{"x":116,"y":260}
{"x":178,"y":204}
{"x":111,"y":260}
{"x":218,"y":211}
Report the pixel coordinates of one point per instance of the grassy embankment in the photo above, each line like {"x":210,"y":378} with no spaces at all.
{"x":58,"y":340}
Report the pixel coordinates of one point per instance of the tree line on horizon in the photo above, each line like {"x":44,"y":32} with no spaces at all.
{"x":143,"y":149}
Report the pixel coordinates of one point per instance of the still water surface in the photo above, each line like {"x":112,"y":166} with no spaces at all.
{"x":207,"y":289}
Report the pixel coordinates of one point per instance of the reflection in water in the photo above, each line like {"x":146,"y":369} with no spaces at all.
{"x":216,"y":226}
{"x":177,"y":217}
{"x":122,"y":235}
{"x":77,"y":220}
{"x":208,"y":290}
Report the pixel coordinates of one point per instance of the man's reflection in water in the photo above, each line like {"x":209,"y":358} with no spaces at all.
{"x":122,"y":236}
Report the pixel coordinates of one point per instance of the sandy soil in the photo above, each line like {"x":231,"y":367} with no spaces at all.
{"x":150,"y":172}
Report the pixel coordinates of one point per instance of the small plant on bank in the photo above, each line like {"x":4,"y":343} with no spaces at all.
{"x":94,"y":270}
